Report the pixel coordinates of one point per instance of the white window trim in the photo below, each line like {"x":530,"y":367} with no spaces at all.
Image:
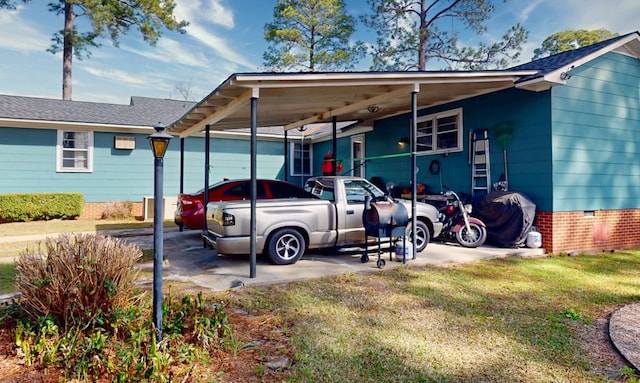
{"x":435,"y":117}
{"x":59,"y":152}
{"x":292,"y":147}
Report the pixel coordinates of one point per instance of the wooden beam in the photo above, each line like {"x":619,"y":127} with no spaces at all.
{"x":404,"y":91}
{"x":220,"y":114}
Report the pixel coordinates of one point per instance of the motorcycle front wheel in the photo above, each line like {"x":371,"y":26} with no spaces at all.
{"x":471,"y":238}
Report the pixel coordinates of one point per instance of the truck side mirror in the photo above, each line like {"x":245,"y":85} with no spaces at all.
{"x":390,"y":187}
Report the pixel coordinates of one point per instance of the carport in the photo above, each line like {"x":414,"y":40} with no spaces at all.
{"x":293,"y":100}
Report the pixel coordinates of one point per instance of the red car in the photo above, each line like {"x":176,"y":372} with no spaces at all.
{"x":190,"y":210}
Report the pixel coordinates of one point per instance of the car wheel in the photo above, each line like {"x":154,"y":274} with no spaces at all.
{"x":423,"y":236}
{"x":285,"y":247}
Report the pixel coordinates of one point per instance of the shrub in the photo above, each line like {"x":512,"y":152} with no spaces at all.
{"x":40,"y":206}
{"x":82,"y":279}
{"x":117,"y":210}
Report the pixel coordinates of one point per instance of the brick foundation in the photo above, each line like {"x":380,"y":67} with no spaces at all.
{"x":94,"y":210}
{"x":600,"y":230}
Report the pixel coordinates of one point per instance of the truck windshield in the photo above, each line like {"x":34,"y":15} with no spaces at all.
{"x":357,"y":190}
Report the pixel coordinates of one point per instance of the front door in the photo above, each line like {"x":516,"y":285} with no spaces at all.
{"x":357,"y":156}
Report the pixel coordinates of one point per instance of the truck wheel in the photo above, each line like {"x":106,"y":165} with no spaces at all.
{"x":422,"y":235}
{"x":285,"y":247}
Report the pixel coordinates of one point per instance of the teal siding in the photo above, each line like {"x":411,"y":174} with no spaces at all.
{"x":343,"y":149}
{"x":29,"y":159}
{"x":528,"y":153}
{"x":596,"y":136}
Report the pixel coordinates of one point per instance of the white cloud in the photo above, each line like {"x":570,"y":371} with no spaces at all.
{"x":118,"y":76}
{"x":525,"y":13}
{"x":210,"y":11}
{"x":220,"y":46}
{"x":24,"y":36}
{"x":204,"y":18}
{"x":171,"y":51}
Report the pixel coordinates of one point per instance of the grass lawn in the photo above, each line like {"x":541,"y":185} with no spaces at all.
{"x":525,"y":320}
{"x":7,"y":275}
{"x":69,"y":226}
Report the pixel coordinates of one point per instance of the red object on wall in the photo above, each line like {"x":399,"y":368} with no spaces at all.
{"x":327,"y":165}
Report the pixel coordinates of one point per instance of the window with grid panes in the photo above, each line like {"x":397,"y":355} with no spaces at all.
{"x":440,"y":132}
{"x":300,"y":159}
{"x":74,"y":151}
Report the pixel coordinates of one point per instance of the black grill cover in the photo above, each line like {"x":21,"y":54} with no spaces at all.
{"x":508,"y":216}
{"x":385,"y":219}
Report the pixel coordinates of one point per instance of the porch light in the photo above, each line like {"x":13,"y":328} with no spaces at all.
{"x":159,"y":142}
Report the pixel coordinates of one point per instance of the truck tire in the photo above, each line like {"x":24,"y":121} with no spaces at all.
{"x":423,"y":235}
{"x":285,"y":247}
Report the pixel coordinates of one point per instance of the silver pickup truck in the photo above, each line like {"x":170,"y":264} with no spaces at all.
{"x":286,"y":228}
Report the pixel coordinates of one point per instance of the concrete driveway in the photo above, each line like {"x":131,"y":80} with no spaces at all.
{"x":187,"y":260}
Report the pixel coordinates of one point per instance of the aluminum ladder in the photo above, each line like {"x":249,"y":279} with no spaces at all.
{"x":480,"y":164}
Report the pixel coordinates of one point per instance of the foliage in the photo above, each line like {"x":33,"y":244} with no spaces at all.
{"x":9,"y":4}
{"x":79,"y":311}
{"x":117,"y":210}
{"x":37,"y":206}
{"x":571,"y":39}
{"x":309,"y":35}
{"x":107,"y":18}
{"x":79,"y":280}
{"x":114,"y":18}
{"x":126,"y":350}
{"x":414,"y":32}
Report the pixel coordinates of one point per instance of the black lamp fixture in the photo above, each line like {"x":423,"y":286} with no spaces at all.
{"x":403,"y":141}
{"x":159,"y":142}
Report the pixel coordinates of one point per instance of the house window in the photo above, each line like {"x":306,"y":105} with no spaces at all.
{"x":440,"y":132}
{"x":74,"y":151}
{"x":300,"y":163}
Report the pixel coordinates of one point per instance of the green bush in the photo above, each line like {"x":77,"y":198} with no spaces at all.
{"x":40,"y":206}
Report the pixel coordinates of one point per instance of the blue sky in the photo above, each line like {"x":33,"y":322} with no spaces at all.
{"x":225,"y":37}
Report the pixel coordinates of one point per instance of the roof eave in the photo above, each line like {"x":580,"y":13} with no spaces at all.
{"x":42,"y":124}
{"x":629,"y":45}
{"x":206,"y":112}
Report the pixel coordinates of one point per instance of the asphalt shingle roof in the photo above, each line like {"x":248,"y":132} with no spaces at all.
{"x":549,"y":64}
{"x":142,"y":111}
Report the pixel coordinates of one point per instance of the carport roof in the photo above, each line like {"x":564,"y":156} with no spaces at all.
{"x":292,"y":100}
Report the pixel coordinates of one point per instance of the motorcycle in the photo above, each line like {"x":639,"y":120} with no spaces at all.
{"x":458,"y":225}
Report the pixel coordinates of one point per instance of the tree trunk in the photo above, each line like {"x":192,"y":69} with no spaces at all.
{"x":422,"y":46}
{"x":67,"y":52}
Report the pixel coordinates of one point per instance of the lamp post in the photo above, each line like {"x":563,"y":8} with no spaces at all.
{"x":159,"y":142}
